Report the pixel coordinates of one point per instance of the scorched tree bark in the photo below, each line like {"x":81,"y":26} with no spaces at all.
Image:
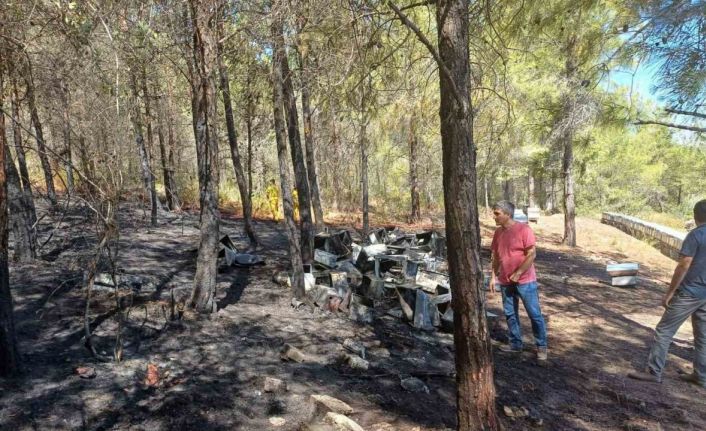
{"x":204,"y":14}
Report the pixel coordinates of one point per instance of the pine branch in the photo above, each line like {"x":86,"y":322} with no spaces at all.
{"x":672,"y":125}
{"x":680,"y":112}
{"x":442,"y":67}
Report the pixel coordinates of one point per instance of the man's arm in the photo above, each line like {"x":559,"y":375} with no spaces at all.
{"x":495,"y":267}
{"x":530,"y":254}
{"x":678,"y":276}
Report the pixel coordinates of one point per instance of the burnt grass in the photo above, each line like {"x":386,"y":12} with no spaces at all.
{"x":211,"y":368}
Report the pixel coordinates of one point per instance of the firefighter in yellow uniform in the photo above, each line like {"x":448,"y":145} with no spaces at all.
{"x":273,"y":199}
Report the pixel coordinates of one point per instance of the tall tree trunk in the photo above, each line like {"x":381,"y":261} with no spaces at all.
{"x":541,"y":192}
{"x":474,"y":362}
{"x":147,"y":178}
{"x":295,"y":146}
{"x":506,"y":190}
{"x":248,"y":128}
{"x":9,"y":356}
{"x":21,"y":214}
{"x":189,"y":41}
{"x":204,"y":14}
{"x":309,"y":139}
{"x":154,"y":199}
{"x":295,"y":254}
{"x":171,"y":186}
{"x":552,"y":193}
{"x":530,"y":189}
{"x":363,"y":142}
{"x":166,"y":172}
{"x":568,"y":158}
{"x":235,"y":153}
{"x":39,"y":133}
{"x":569,"y":206}
{"x":486,"y":194}
{"x":249,"y":114}
{"x":21,"y":159}
{"x":413,"y":161}
{"x":335,"y":178}
{"x":87,"y":165}
{"x":66,"y":131}
{"x":679,"y":190}
{"x":17,"y":136}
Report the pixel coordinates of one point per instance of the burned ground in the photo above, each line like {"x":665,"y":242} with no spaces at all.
{"x":211,"y":369}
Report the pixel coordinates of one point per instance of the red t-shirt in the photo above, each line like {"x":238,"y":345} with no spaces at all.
{"x":510,"y":245}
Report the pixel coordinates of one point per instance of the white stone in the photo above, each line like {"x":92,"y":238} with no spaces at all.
{"x":343,"y":422}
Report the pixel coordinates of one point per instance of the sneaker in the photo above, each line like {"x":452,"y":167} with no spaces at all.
{"x":542,"y":353}
{"x":509,"y":349}
{"x":692,"y":378}
{"x":645,"y":376}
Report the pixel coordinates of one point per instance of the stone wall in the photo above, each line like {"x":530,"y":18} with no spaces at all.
{"x":665,"y":239}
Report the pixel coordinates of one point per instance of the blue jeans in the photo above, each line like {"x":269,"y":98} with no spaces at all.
{"x":512,"y":294}
{"x":682,"y":306}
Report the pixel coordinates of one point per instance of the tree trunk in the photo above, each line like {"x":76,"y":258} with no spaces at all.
{"x":172,"y":185}
{"x":166,"y":171}
{"x":147,"y":178}
{"x":415,"y":213}
{"x":17,"y":136}
{"x":21,"y":214}
{"x":309,"y":141}
{"x":39,"y":133}
{"x":552,"y":194}
{"x":248,"y":127}
{"x":568,"y":158}
{"x":204,"y":15}
{"x":249,"y":114}
{"x":506,"y":190}
{"x":569,"y":206}
{"x":21,"y":160}
{"x":679,"y":189}
{"x":87,"y":165}
{"x":295,"y":254}
{"x":189,"y":34}
{"x":363,"y":142}
{"x":9,"y":356}
{"x":295,"y":146}
{"x":530,"y":189}
{"x":154,"y":199}
{"x":335,"y":179}
{"x":486,"y":193}
{"x":66,"y":131}
{"x":541,"y":192}
{"x":474,"y":362}
{"x":235,"y":153}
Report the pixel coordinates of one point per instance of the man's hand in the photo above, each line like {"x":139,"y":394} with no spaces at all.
{"x":515,"y":276}
{"x":667,"y":299}
{"x":491,"y":284}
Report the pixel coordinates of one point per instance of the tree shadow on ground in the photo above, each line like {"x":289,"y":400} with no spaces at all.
{"x":212,"y":368}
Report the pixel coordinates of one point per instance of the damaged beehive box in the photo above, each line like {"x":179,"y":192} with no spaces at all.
{"x":232,"y":257}
{"x":390,"y":271}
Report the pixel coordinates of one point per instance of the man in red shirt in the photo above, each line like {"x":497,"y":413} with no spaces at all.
{"x":513,"y":249}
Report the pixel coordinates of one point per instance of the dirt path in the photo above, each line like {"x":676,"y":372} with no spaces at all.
{"x":212,"y":370}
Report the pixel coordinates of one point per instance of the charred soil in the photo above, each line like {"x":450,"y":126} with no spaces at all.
{"x":209,"y":372}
